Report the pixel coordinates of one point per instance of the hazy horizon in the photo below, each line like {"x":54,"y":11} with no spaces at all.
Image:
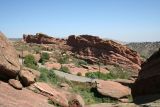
{"x":122,"y":20}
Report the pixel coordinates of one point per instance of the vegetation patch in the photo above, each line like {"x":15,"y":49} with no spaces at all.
{"x":30,"y":62}
{"x":115,"y":73}
{"x":44,"y":57}
{"x":90,"y":94}
{"x":64,"y":69}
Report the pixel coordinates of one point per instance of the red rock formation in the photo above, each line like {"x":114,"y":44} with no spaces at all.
{"x":40,"y":38}
{"x":9,"y":62}
{"x":149,"y":77}
{"x":108,"y":51}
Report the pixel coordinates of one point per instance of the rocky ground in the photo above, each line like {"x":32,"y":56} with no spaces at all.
{"x":81,"y":71}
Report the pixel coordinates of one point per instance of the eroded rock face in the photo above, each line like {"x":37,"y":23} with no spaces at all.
{"x":9,"y":62}
{"x":149,"y":77}
{"x":109,"y":52}
{"x":112,"y":89}
{"x":40,"y":38}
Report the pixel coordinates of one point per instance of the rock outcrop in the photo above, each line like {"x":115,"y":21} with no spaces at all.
{"x":15,"y":83}
{"x":106,"y":51}
{"x":112,"y":89}
{"x":11,"y":97}
{"x":28,"y":76}
{"x":148,"y":79}
{"x":41,"y":38}
{"x":61,"y":97}
{"x":9,"y":62}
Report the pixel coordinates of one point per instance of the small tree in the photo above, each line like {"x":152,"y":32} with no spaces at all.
{"x":30,"y":62}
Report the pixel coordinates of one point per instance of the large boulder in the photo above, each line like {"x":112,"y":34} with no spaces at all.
{"x":112,"y":89}
{"x":149,"y":77}
{"x":108,"y":51}
{"x":28,"y":76}
{"x":9,"y":62}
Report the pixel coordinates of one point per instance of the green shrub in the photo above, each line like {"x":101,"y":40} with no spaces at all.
{"x":115,"y":73}
{"x":44,"y":57}
{"x":64,"y":69}
{"x":47,"y":75}
{"x":30,"y":62}
{"x":79,"y":74}
{"x":82,"y":62}
{"x":44,"y":75}
{"x":119,"y":72}
{"x":99,"y":75}
{"x":63,"y":59}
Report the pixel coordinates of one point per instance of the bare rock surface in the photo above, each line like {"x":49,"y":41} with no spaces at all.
{"x":9,"y":62}
{"x":61,"y":97}
{"x":28,"y":76}
{"x":11,"y":97}
{"x":112,"y":89}
{"x":108,"y":51}
{"x":15,"y":83}
{"x":52,"y":94}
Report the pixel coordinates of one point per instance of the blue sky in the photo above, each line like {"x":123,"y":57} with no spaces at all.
{"x":124,"y":20}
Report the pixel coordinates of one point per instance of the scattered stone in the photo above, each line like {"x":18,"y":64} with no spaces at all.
{"x":112,"y":89}
{"x":15,"y":83}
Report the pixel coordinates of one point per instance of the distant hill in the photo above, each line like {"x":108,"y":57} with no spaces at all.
{"x":145,"y":49}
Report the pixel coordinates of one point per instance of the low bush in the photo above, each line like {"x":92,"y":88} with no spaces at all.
{"x":47,"y":75}
{"x":30,"y":62}
{"x":64,"y":69}
{"x":99,"y":75}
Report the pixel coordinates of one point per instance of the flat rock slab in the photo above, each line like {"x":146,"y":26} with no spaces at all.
{"x":112,"y":89}
{"x":11,"y":97}
{"x":15,"y":83}
{"x":52,"y":94}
